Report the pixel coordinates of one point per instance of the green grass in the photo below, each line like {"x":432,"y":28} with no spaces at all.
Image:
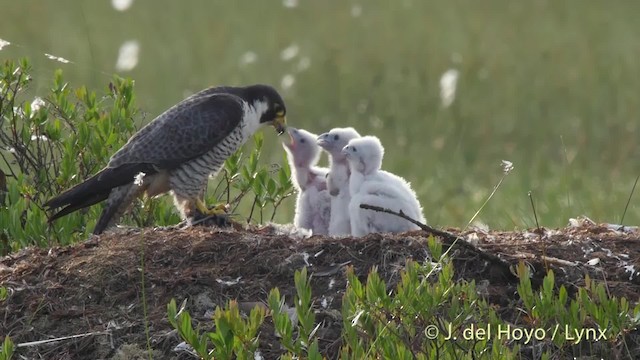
{"x":549,"y":85}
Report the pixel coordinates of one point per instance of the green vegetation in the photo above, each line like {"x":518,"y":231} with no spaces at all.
{"x":6,"y":351}
{"x":548,"y":85}
{"x":415,"y":320}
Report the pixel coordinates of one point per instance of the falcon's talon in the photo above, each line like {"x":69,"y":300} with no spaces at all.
{"x":219,"y":209}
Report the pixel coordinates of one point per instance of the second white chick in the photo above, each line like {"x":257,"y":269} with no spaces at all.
{"x":371,"y":185}
{"x":338,"y":180}
{"x":313,"y":205}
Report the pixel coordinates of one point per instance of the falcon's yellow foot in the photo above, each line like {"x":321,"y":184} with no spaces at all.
{"x":219,"y":209}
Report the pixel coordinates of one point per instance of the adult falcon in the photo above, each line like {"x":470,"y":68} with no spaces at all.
{"x":177,"y":152}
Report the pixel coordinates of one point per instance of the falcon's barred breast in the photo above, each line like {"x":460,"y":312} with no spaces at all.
{"x":177,"y":152}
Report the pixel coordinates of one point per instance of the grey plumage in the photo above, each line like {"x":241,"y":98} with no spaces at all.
{"x":177,"y":152}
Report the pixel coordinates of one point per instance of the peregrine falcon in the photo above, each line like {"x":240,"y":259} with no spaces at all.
{"x":368,"y":184}
{"x":313,"y":204}
{"x":177,"y":152}
{"x":338,"y":179}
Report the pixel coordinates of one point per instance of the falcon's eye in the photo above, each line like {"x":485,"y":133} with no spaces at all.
{"x":279,"y":110}
{"x":336,"y":137}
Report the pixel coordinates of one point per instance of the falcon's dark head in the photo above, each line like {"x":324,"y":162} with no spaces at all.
{"x":270,"y":103}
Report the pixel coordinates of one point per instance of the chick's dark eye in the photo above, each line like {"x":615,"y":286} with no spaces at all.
{"x":302,"y":141}
{"x":354,"y":149}
{"x":336,"y":137}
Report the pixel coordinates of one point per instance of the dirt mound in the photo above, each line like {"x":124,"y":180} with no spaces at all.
{"x":94,"y":289}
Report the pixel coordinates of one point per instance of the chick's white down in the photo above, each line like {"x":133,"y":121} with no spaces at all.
{"x":338,"y":180}
{"x":313,"y":204}
{"x":370,"y":185}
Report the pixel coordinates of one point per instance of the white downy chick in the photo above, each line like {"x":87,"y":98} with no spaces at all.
{"x":371,"y":185}
{"x":313,"y":205}
{"x":338,"y":180}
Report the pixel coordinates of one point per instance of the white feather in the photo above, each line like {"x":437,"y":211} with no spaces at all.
{"x":371,"y":185}
{"x":313,"y":205}
{"x":338,"y":179}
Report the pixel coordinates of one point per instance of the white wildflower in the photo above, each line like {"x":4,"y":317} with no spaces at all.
{"x":290,"y":52}
{"x":248,"y":58}
{"x":121,"y":5}
{"x":356,"y":10}
{"x":448,"y":83}
{"x":287,"y":81}
{"x":303,"y":64}
{"x":128,"y":56}
{"x":139,"y":179}
{"x":39,"y":137}
{"x":57,"y":58}
{"x":4,"y":43}
{"x":290,"y":3}
{"x":37,"y":103}
{"x":507,"y":166}
{"x":17,"y":111}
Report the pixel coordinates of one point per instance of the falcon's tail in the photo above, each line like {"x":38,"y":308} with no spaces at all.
{"x":83,"y":195}
{"x":95,"y":189}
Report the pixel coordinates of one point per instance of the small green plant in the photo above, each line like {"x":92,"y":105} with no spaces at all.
{"x":591,"y":316}
{"x":305,"y":344}
{"x":233,"y":336}
{"x":424,"y":318}
{"x":6,"y":352}
{"x":248,"y":177}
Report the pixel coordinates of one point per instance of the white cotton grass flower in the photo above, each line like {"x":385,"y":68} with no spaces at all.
{"x":448,"y":83}
{"x":290,"y":4}
{"x":37,"y":104}
{"x":4,"y":43}
{"x":39,"y":137}
{"x":128,"y":56}
{"x":356,"y":10}
{"x":290,"y":52}
{"x":287,"y":81}
{"x":139,"y":179}
{"x":507,"y":166}
{"x":57,"y":58}
{"x":303,"y":64}
{"x":121,"y":5}
{"x":248,"y":58}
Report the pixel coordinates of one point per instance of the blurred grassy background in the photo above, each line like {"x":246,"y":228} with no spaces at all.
{"x":550,"y":85}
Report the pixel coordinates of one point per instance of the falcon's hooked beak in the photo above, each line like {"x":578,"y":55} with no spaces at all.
{"x":292,"y":142}
{"x":323,"y":140}
{"x":280,"y":124}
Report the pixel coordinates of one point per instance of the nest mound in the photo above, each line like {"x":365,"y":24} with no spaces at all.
{"x":94,"y":288}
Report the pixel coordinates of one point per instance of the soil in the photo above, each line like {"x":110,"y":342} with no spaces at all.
{"x":94,"y":289}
